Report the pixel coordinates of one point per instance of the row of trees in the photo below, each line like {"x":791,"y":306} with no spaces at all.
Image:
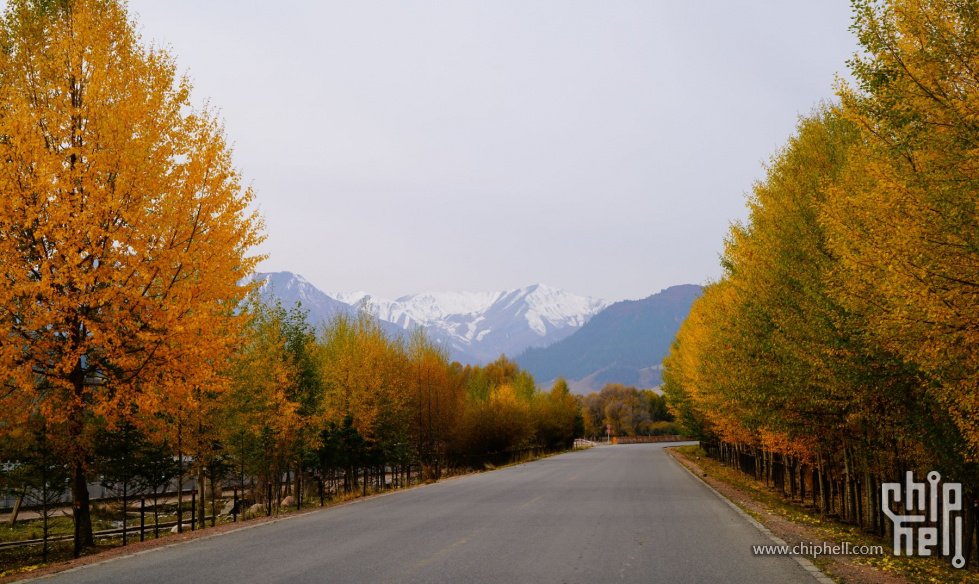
{"x":842,"y":344}
{"x":352,"y":398}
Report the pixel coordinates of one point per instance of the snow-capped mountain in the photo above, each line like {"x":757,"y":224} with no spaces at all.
{"x":479,"y":326}
{"x":292,"y":288}
{"x":475,"y":326}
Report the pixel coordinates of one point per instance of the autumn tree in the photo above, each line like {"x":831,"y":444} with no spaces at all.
{"x":557,"y":417}
{"x":593,"y":415}
{"x":364,"y":385}
{"x":271,"y":417}
{"x":124,"y":229}
{"x":436,"y":396}
{"x":904,"y":221}
{"x":504,"y":371}
{"x":626,"y":411}
{"x":500,"y":423}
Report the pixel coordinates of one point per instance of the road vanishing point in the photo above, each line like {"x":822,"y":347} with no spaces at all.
{"x":627,"y":513}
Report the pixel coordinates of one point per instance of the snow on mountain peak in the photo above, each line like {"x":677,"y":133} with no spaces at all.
{"x":351,"y":298}
{"x":538,"y":302}
{"x":488,"y":321}
{"x":557,"y":307}
{"x":478,"y":326}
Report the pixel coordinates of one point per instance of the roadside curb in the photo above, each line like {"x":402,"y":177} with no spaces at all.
{"x":816,"y":573}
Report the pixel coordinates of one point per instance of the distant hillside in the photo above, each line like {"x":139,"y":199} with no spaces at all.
{"x":625,"y":343}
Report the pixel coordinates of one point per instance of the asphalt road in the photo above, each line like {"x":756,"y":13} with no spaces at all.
{"x":626,"y":513}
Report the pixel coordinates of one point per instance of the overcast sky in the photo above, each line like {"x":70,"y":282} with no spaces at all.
{"x":599,"y":147}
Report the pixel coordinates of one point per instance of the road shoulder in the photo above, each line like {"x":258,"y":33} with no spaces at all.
{"x":795,"y":529}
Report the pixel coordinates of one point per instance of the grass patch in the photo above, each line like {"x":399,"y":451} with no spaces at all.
{"x":34,"y":529}
{"x":692,"y":450}
{"x":24,"y":560}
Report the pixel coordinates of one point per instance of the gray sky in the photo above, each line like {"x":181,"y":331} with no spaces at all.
{"x":599,"y":147}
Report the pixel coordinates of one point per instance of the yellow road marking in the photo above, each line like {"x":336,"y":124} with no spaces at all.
{"x":440,"y":553}
{"x":528,"y":502}
{"x":429,"y":560}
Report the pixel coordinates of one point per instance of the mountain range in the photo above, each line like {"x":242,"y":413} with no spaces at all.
{"x":480,"y":326}
{"x":552,"y":332}
{"x":477,"y":327}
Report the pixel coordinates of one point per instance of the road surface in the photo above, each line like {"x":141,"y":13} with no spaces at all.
{"x":626,"y":513}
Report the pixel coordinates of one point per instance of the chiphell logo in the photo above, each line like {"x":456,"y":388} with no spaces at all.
{"x":908,"y":529}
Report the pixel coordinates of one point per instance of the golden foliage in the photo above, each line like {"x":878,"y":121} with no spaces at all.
{"x":845,"y":330}
{"x":124,"y":229}
{"x":904,"y":220}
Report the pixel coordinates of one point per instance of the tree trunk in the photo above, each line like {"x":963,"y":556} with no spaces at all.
{"x":970,"y":529}
{"x":814,"y":480}
{"x":802,"y":483}
{"x":44,"y":510}
{"x":870,"y":511}
{"x":180,"y":483}
{"x":125,"y":510}
{"x":769,"y":463}
{"x":830,"y":492}
{"x":845,"y":502}
{"x":792,"y":476}
{"x":823,"y":490}
{"x":975,"y":524}
{"x":156,"y":513}
{"x":849,"y":490}
{"x":202,"y":493}
{"x":17,"y":504}
{"x":299,"y":487}
{"x":79,"y":486}
{"x":83,"y":514}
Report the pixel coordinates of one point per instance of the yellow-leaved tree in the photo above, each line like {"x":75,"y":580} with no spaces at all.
{"x":124,"y":229}
{"x":904,"y":220}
